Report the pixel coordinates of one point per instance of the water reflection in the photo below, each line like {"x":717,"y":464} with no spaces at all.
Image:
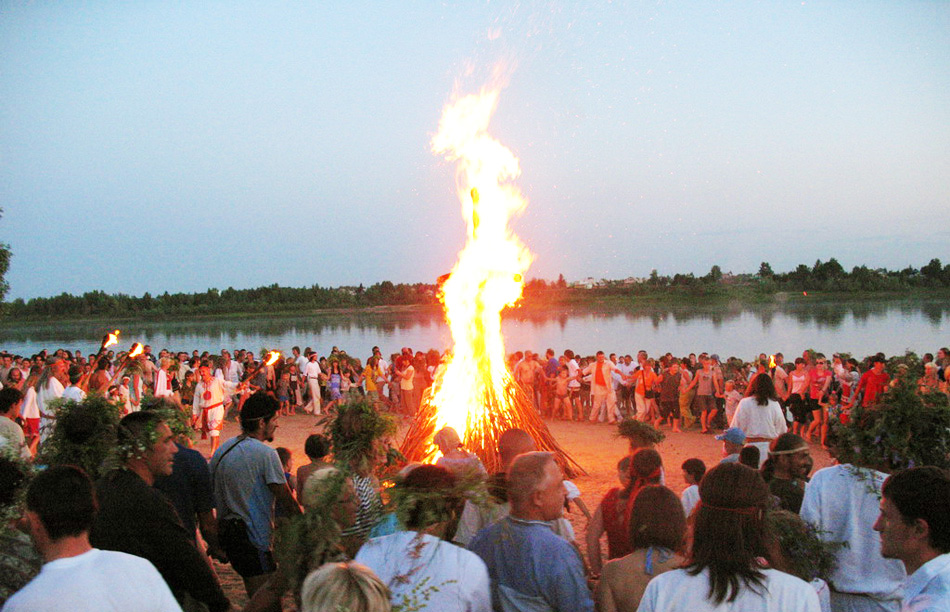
{"x":730,"y":328}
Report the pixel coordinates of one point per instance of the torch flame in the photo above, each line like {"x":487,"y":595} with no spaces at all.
{"x":272,"y":358}
{"x":137,"y":349}
{"x":771,"y":361}
{"x":112,"y":339}
{"x":489,"y":273}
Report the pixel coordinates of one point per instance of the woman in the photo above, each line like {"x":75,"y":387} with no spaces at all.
{"x":658,"y":534}
{"x":405,"y":373}
{"x":759,"y":415}
{"x":819,"y":383}
{"x":455,"y":458}
{"x":613,"y":514}
{"x":727,"y":568}
{"x":707,"y":389}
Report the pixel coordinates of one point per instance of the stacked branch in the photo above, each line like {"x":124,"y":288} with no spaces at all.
{"x":514,"y":410}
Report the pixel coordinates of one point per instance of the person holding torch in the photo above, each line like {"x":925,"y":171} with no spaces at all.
{"x":208,"y":406}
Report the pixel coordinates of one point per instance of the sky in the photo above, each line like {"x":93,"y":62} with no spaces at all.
{"x":174,"y":147}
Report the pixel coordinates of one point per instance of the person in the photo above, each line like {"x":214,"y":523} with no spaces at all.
{"x":671,"y":381}
{"x":405,"y":373}
{"x":751,"y":456}
{"x":797,"y":399}
{"x":49,"y":387}
{"x":873,"y":383}
{"x":247,"y":479}
{"x":11,"y":433}
{"x":608,"y":519}
{"x":707,"y":388}
{"x":693,"y":471}
{"x":454,"y":457}
{"x":603,"y":398}
{"x":841,"y":502}
{"x":759,"y":414}
{"x":786,"y":469}
{"x":733,"y":439}
{"x":732,"y":398}
{"x":19,"y":560}
{"x":74,"y":392}
{"x":344,"y":586}
{"x":530,"y":567}
{"x":312,"y":373}
{"x":417,"y":563}
{"x":726,"y":569}
{"x":914,"y":524}
{"x":475,"y":517}
{"x":211,"y":393}
{"x":60,"y":510}
{"x":315,"y":447}
{"x":138,"y":519}
{"x":819,"y":385}
{"x":562,"y":407}
{"x":657,"y":534}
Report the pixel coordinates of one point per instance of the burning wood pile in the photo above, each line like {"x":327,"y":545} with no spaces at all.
{"x":473,"y":390}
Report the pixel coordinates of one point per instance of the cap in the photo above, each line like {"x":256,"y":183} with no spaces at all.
{"x":733,"y":434}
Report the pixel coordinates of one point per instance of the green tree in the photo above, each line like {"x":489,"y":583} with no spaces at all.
{"x":5,"y":255}
{"x":765,"y":270}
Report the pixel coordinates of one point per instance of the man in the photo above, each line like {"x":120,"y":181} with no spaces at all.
{"x":549,"y":372}
{"x":73,"y":392}
{"x":136,"y":518}
{"x":208,"y":406}
{"x":780,"y":378}
{"x":733,"y":439}
{"x":6,"y":364}
{"x":627,"y":368}
{"x":530,"y":567}
{"x":574,"y":387}
{"x":475,"y":517}
{"x":312,"y":373}
{"x":841,"y":501}
{"x":603,"y":399}
{"x":49,"y":387}
{"x":790,"y":461}
{"x":247,"y":478}
{"x":11,"y":433}
{"x":915,"y":529}
{"x":77,"y":577}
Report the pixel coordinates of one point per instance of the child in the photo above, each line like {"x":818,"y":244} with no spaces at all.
{"x":316,"y":447}
{"x":283,"y":393}
{"x":287,"y":461}
{"x":188,"y":390}
{"x":693,"y":471}
{"x":732,"y":400}
{"x":562,"y":396}
{"x":733,"y":439}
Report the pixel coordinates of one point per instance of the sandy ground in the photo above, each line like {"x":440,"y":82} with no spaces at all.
{"x":595,"y":446}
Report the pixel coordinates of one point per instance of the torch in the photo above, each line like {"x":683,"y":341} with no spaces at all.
{"x":136,"y":350}
{"x":272,"y":358}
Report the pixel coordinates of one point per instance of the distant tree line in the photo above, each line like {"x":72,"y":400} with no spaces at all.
{"x":827,"y":276}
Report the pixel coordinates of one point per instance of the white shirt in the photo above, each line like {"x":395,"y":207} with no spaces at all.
{"x":677,"y":591}
{"x":689,"y":498}
{"x":759,"y":421}
{"x":572,"y":369}
{"x":928,"y":589}
{"x":312,"y":369}
{"x":456,"y":579}
{"x":842,"y":503}
{"x":74,"y":393}
{"x":12,"y":434}
{"x":29,"y":409}
{"x":95,"y":581}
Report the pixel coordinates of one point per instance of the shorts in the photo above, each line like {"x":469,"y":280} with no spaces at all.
{"x":246,"y":559}
{"x":669,"y":407}
{"x":283,"y":398}
{"x":813,"y":405}
{"x":705,"y":403}
{"x":799,"y":409}
{"x":31,"y":427}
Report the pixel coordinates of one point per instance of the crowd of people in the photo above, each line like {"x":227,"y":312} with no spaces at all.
{"x":757,"y":531}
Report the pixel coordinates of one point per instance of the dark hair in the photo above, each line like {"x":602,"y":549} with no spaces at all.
{"x":762,"y":388}
{"x":785,"y":442}
{"x":430,"y":506}
{"x":750,"y":455}
{"x":729,"y":530}
{"x":284,"y":454}
{"x":259,"y":407}
{"x":64,"y":499}
{"x":923,"y":493}
{"x":14,"y":476}
{"x":8,"y":397}
{"x":645,"y":466}
{"x":657,"y":519}
{"x":317,"y":446}
{"x":799,"y":360}
{"x":75,"y":374}
{"x":695,"y":468}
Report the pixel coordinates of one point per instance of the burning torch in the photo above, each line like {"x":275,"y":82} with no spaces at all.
{"x":136,"y":350}
{"x":272,"y":358}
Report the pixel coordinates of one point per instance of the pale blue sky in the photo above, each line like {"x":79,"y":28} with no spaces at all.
{"x":156,"y":146}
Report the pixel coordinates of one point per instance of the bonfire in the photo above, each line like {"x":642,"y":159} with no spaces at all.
{"x":473,"y":390}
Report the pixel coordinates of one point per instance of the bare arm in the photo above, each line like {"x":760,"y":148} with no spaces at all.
{"x":604,"y":597}
{"x":208,"y":526}
{"x":285,"y":498}
{"x":595,"y":529}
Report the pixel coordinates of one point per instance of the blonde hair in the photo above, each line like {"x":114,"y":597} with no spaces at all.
{"x":344,"y":586}
{"x":447,"y":439}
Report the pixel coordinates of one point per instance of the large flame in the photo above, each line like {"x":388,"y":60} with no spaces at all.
{"x":272,"y":358}
{"x":490,"y":270}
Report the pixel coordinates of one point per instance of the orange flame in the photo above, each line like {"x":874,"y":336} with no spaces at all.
{"x":137,"y":349}
{"x":771,"y":361}
{"x":272,"y":358}
{"x":112,"y":339}
{"x":489,"y":273}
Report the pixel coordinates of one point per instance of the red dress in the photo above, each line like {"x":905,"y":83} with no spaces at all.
{"x":614,"y":513}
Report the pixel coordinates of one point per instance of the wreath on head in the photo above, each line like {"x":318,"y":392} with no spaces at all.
{"x":808,"y":556}
{"x":83,"y":434}
{"x":354,"y":431}
{"x":635,"y":430}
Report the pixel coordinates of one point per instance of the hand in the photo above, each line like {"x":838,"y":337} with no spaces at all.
{"x":217,"y":553}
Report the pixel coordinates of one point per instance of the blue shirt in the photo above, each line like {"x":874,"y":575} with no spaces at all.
{"x":188,"y":487}
{"x":531,"y":568}
{"x":928,"y":589}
